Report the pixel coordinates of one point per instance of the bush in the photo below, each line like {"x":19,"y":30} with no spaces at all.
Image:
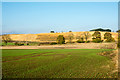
{"x":27,"y":43}
{"x":87,"y":41}
{"x":2,"y":45}
{"x":97,"y":40}
{"x":79,"y":41}
{"x":110,"y":40}
{"x":53,"y":43}
{"x":39,"y":44}
{"x":110,"y":54}
{"x":19,"y":44}
{"x":42,"y":43}
{"x":70,"y":42}
{"x":16,"y":43}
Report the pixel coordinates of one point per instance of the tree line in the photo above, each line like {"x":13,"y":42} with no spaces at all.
{"x":84,"y":38}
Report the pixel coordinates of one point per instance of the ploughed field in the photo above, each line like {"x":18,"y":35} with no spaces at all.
{"x":56,"y":63}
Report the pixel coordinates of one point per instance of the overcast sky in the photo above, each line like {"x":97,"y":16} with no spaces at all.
{"x":42,"y":17}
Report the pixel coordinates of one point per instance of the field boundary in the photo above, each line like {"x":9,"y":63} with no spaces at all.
{"x":68,"y":46}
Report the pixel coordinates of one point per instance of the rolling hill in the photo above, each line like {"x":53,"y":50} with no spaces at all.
{"x":51,"y":37}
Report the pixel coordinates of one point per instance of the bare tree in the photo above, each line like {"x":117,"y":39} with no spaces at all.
{"x":70,"y":37}
{"x":6,"y":38}
{"x":86,"y":35}
{"x":80,"y":37}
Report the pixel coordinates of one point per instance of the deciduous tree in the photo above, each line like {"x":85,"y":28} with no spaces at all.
{"x":70,"y":37}
{"x":97,"y":37}
{"x":86,"y":35}
{"x":6,"y":38}
{"x":97,"y":34}
{"x":108,"y":37}
{"x":60,"y":39}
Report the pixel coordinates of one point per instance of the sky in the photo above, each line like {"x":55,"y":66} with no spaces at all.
{"x":60,"y":0}
{"x":42,"y":17}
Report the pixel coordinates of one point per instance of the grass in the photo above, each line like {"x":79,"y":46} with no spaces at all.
{"x":9,"y":43}
{"x":13,"y":44}
{"x":25,"y":44}
{"x":56,"y":63}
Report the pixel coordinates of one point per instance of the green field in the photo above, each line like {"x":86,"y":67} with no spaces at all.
{"x":56,"y":63}
{"x":25,"y":44}
{"x":9,"y":43}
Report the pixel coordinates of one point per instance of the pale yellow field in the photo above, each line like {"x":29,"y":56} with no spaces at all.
{"x":51,"y":37}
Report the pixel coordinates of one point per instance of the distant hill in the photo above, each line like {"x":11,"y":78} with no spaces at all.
{"x":51,"y":37}
{"x":11,"y":33}
{"x":100,"y":29}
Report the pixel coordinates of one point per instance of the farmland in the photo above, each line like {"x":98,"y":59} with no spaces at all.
{"x":51,"y":37}
{"x":56,"y":63}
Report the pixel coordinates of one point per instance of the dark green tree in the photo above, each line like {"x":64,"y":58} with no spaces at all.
{"x":100,"y":29}
{"x":52,"y":32}
{"x":60,"y":39}
{"x":97,"y":37}
{"x":108,"y":37}
{"x":97,"y":34}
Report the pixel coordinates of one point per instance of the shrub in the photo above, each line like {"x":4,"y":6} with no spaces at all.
{"x":110,"y":54}
{"x":39,"y":44}
{"x":87,"y":41}
{"x":16,"y":43}
{"x":53,"y":43}
{"x":19,"y":44}
{"x":2,"y":45}
{"x":93,"y":38}
{"x":97,"y":40}
{"x":79,"y":41}
{"x":70,"y":42}
{"x":110,"y":40}
{"x":42,"y":43}
{"x":27,"y":43}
